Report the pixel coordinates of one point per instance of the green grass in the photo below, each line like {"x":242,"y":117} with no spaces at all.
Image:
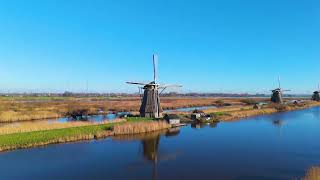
{"x":29,"y":138}
{"x":139,"y":119}
{"x":19,"y":140}
{"x":219,"y":113}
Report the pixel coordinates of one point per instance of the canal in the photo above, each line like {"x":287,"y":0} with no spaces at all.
{"x":278,"y":146}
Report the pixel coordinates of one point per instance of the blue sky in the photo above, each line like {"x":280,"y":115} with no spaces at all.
{"x":205,"y":45}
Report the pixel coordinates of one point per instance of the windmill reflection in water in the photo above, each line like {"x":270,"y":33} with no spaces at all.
{"x":150,"y":145}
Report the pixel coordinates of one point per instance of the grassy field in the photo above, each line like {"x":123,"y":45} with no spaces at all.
{"x":40,"y":138}
{"x":35,"y":108}
{"x":45,"y":125}
{"x":37,"y":138}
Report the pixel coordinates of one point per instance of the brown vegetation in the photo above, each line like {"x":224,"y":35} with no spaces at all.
{"x":140,"y":127}
{"x":239,"y":112}
{"x":312,"y":174}
{"x":15,"y":109}
{"x":44,"y":125}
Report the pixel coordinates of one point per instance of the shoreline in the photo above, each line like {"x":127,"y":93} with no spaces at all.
{"x":242,"y":113}
{"x":24,"y":140}
{"x":131,"y":126}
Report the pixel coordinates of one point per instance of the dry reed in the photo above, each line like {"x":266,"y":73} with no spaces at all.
{"x":45,"y":125}
{"x":140,"y":127}
{"x":312,"y":174}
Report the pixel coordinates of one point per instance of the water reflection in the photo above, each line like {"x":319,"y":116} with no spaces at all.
{"x":90,"y":119}
{"x":203,"y":125}
{"x":316,"y":112}
{"x":150,"y":143}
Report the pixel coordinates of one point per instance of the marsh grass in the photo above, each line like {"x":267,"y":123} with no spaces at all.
{"x":45,"y":125}
{"x":312,"y":174}
{"x":140,"y":127}
{"x":81,"y":131}
{"x":34,"y":108}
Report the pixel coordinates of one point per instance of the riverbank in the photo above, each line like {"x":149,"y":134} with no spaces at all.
{"x":65,"y":135}
{"x":237,"y":113}
{"x":28,"y":138}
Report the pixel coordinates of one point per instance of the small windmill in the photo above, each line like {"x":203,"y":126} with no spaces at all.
{"x":316,"y":96}
{"x":277,"y":94}
{"x":150,"y":103}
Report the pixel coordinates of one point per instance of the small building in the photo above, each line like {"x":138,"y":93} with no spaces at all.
{"x":172,"y":119}
{"x":200,"y":116}
{"x":207,"y":117}
{"x":257,"y":106}
{"x":195,"y":116}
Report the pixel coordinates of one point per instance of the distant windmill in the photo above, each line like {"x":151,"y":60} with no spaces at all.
{"x":316,"y":96}
{"x":277,"y":94}
{"x":150,"y":104}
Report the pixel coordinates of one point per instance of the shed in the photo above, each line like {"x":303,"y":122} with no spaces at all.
{"x":257,"y":106}
{"x":195,"y":116}
{"x":172,"y":119}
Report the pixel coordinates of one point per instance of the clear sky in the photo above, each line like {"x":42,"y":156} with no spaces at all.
{"x":205,"y":45}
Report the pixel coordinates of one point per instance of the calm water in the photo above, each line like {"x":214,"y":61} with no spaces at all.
{"x":279,"y":146}
{"x":93,"y":119}
{"x":99,"y":118}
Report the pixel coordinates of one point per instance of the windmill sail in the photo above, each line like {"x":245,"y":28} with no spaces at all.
{"x":155,"y":68}
{"x":137,"y":83}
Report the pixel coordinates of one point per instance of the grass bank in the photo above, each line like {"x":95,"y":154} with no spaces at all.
{"x":23,"y":127}
{"x":41,"y":138}
{"x":237,"y":113}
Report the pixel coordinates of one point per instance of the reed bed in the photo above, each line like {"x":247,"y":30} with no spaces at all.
{"x":81,"y":131}
{"x":312,"y":174}
{"x":239,"y":112}
{"x":140,"y":127}
{"x":45,"y":125}
{"x":12,"y":116}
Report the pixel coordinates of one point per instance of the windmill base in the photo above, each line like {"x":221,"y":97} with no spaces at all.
{"x":150,"y":106}
{"x":277,"y":97}
{"x":316,"y":97}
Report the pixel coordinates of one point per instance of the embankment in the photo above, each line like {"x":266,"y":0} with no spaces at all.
{"x":234,"y":114}
{"x":41,"y":138}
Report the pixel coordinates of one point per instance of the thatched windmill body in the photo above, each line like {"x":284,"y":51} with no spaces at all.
{"x":277,"y":94}
{"x":316,"y":96}
{"x":150,"y":103}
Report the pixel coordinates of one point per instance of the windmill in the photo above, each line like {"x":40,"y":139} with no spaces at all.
{"x":150,"y":103}
{"x":277,"y":93}
{"x":316,"y":96}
